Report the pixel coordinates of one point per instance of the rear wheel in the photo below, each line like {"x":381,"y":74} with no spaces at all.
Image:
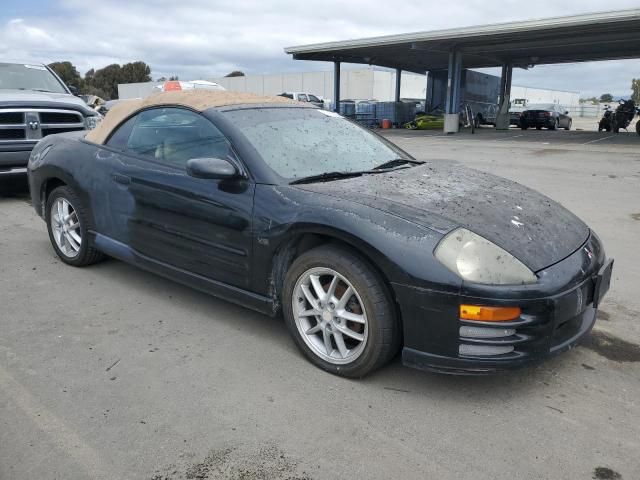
{"x":339,"y":312}
{"x":638,"y":127}
{"x":554,"y":126}
{"x":68,"y":225}
{"x":568,"y":127}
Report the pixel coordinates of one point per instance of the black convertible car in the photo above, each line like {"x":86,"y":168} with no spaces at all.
{"x":283,"y":207}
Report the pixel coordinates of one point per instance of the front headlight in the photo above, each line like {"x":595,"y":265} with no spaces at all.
{"x":478,"y":260}
{"x":92,"y":122}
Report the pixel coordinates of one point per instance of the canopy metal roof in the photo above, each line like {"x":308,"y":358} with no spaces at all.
{"x":580,"y":38}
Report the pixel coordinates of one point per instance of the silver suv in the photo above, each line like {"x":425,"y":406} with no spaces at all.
{"x":34,"y":103}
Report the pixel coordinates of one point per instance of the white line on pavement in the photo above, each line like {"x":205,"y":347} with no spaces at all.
{"x":510,"y":137}
{"x":598,"y":140}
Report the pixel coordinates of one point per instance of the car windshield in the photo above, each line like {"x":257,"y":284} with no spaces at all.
{"x":303,"y":142}
{"x":18,"y":76}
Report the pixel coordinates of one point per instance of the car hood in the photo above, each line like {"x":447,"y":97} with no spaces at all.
{"x":35,"y":99}
{"x":532,"y":227}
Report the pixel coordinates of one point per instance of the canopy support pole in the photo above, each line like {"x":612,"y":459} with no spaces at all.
{"x":502,"y":118}
{"x":336,"y":86}
{"x":428,"y":101}
{"x":452,"y":104}
{"x":398,"y":83}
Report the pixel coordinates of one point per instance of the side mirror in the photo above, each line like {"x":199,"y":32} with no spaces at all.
{"x":211,"y":168}
{"x":73,"y":89}
{"x":566,"y":112}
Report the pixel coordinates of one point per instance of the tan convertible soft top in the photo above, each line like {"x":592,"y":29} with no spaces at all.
{"x":199,"y":100}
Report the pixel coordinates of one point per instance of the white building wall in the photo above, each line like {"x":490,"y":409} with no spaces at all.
{"x":135,"y":90}
{"x":355,"y":84}
{"x":541,"y":95}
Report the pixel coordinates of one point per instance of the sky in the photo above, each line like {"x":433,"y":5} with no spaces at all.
{"x":210,"y":38}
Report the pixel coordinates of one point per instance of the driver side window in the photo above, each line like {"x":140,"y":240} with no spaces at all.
{"x":172,"y":136}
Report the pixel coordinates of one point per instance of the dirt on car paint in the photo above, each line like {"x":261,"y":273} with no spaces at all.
{"x":266,"y":461}
{"x":611,"y":347}
{"x":605,"y":473}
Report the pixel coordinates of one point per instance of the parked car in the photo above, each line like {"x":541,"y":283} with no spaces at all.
{"x":549,"y":116}
{"x":34,"y":103}
{"x":283,"y":207}
{"x":518,"y":105}
{"x":304,"y":97}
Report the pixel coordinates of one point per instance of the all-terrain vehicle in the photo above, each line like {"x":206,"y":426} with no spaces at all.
{"x":605,"y":121}
{"x":621,"y":118}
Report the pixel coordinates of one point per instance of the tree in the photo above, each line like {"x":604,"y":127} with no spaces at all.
{"x":135,"y":72}
{"x":90,"y":90}
{"x":88,"y":77}
{"x":103,"y":82}
{"x":107,"y":79}
{"x":635,"y":87}
{"x":606,"y":98}
{"x":235,"y":73}
{"x":67,"y":73}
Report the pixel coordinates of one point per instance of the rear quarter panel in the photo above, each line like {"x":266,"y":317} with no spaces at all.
{"x":83,"y":166}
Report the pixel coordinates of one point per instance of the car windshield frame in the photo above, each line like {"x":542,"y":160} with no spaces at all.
{"x":243,"y":118}
{"x":30,"y":77}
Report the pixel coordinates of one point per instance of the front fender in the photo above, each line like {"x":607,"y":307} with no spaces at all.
{"x":401,"y":250}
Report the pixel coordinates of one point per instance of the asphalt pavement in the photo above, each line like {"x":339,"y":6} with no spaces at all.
{"x":110,"y":372}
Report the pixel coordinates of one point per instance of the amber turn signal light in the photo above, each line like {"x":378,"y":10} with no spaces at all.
{"x":482,"y":313}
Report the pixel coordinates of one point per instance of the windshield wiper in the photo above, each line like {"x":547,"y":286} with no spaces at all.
{"x":326,"y":176}
{"x":395,"y":163}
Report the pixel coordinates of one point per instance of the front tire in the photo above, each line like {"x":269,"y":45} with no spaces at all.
{"x":569,"y":125}
{"x":339,"y":312}
{"x":68,"y":225}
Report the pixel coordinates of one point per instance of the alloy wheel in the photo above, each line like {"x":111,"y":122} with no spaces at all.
{"x":330,"y":315}
{"x":65,"y":226}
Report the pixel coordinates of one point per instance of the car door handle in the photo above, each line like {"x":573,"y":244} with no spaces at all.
{"x":123,"y":179}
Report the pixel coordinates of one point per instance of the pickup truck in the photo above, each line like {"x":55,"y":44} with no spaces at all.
{"x":303,"y":97}
{"x":34,"y":103}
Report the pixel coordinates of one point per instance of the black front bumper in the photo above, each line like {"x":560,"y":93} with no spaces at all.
{"x":547,"y":326}
{"x":561,"y":339}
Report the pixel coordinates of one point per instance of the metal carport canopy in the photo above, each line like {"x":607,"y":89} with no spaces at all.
{"x":581,"y":38}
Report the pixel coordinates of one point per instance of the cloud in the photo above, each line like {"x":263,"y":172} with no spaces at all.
{"x":207,"y":38}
